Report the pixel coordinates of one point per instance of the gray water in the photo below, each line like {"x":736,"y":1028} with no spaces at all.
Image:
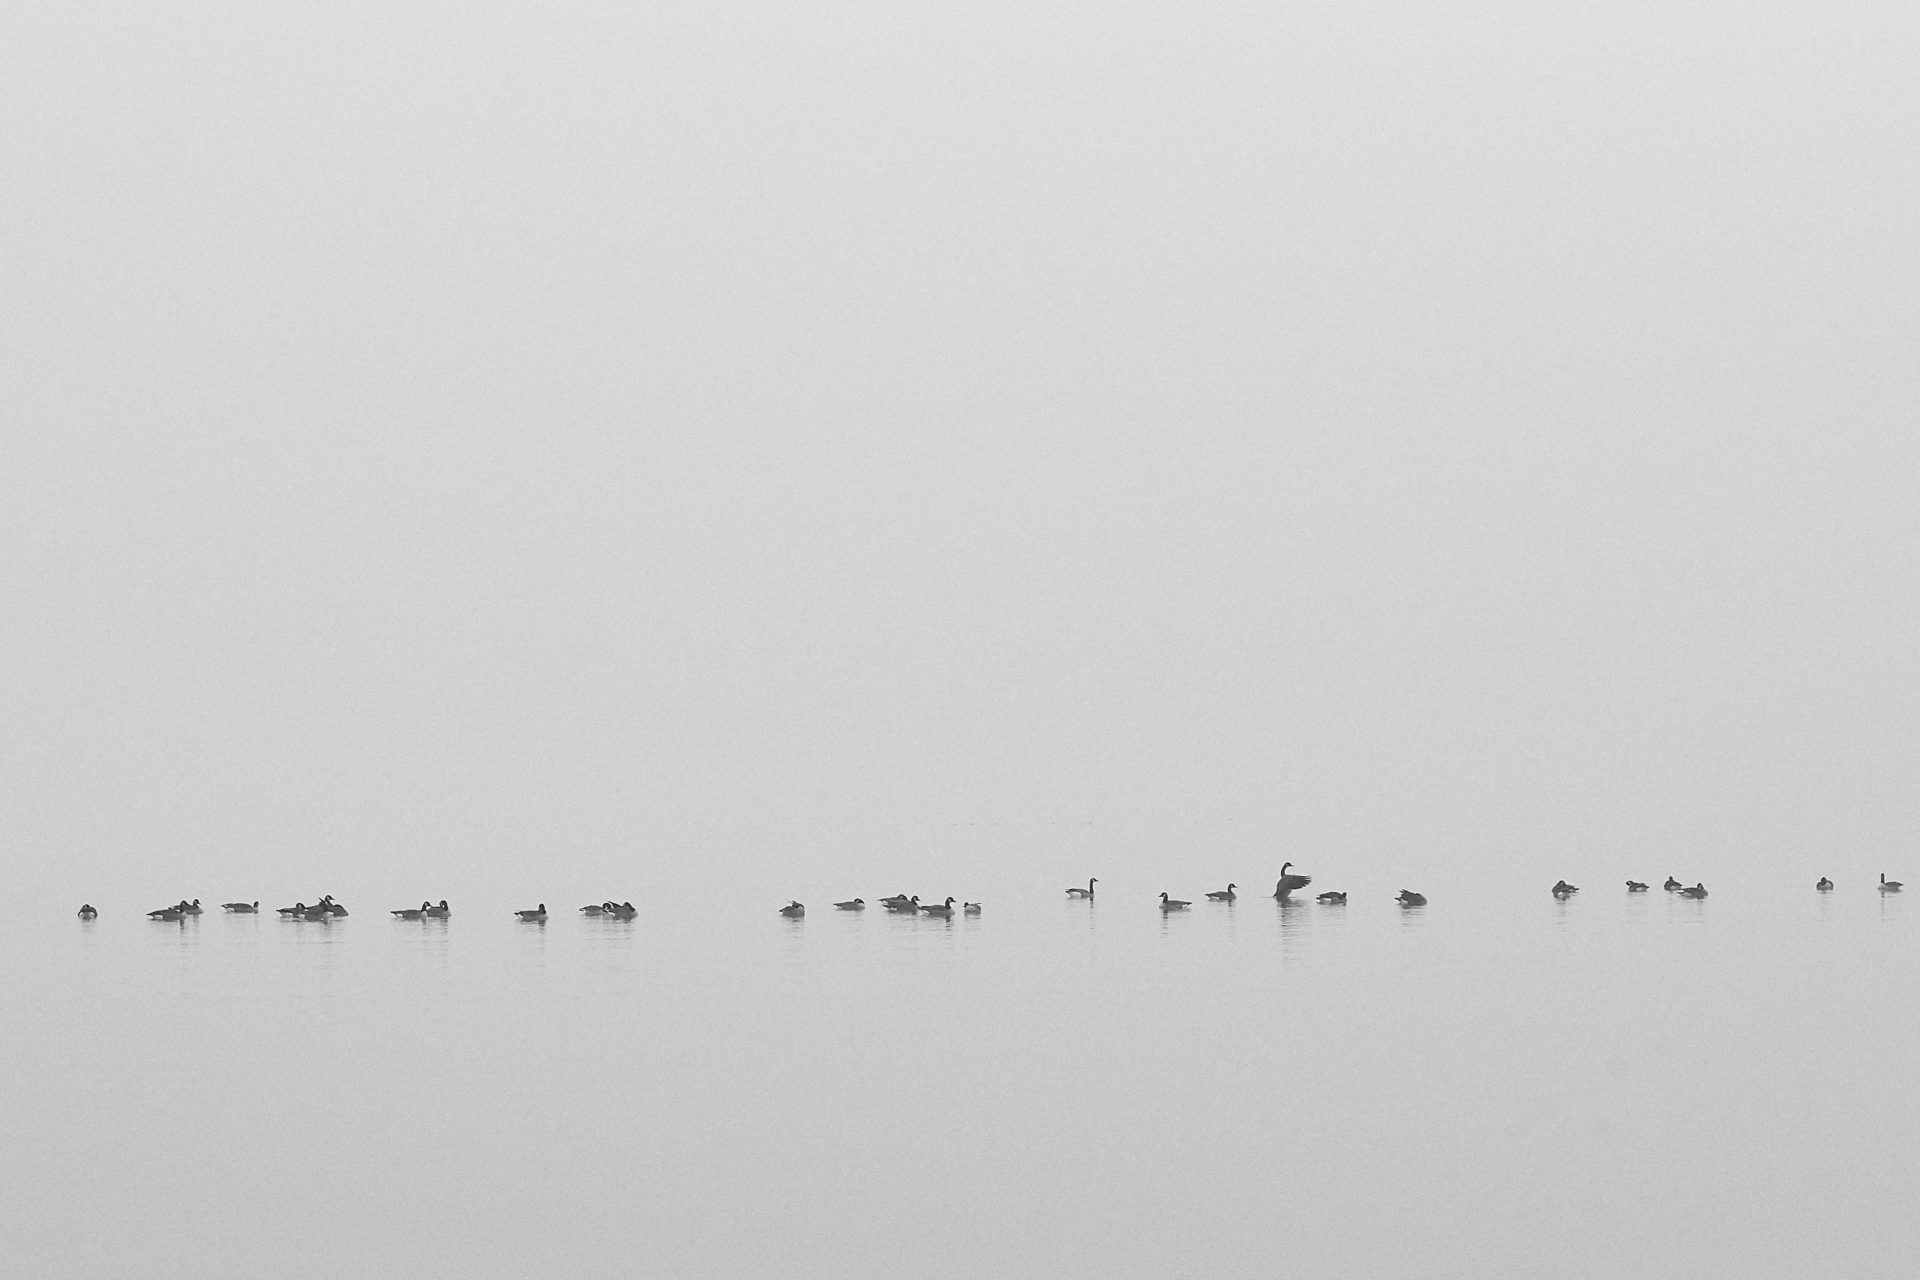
{"x":1494,"y":1085}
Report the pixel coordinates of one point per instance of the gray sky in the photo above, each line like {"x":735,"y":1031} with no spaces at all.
{"x":810,"y":444}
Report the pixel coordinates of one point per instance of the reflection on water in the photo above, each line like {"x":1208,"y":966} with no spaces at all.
{"x":1459,"y":1089}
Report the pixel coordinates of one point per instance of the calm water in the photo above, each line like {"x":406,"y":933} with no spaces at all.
{"x":1495,"y":1085}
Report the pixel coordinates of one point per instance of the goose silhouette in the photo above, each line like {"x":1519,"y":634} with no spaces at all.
{"x":1284,"y":887}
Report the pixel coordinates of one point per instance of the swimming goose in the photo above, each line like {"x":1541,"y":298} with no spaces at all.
{"x":539,"y":913}
{"x":793,"y":910}
{"x":939,"y":909}
{"x":333,"y":908}
{"x":190,"y":908}
{"x":1173,"y":904}
{"x":1562,"y":890}
{"x":241,"y":908}
{"x":971,"y":908}
{"x":1086,"y":892}
{"x":297,"y":909}
{"x":1284,"y":887}
{"x":1408,"y":898}
{"x":440,"y":912}
{"x":1823,"y":885}
{"x":87,"y":912}
{"x":597,"y":909}
{"x":1672,"y":884}
{"x":1334,"y":897}
{"x":1698,"y":891}
{"x":414,"y":913}
{"x":1634,"y":886}
{"x":622,"y":910}
{"x":165,"y":913}
{"x":905,"y":906}
{"x":1888,"y":886}
{"x":896,"y":898}
{"x":856,"y":904}
{"x":1223,"y":895}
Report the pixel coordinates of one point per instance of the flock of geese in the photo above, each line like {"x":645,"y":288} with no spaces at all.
{"x":1289,"y":883}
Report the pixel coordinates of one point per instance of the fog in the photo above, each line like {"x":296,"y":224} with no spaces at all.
{"x":773,"y":447}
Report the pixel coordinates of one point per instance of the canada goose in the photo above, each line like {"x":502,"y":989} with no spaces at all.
{"x":297,"y":909}
{"x":622,"y":910}
{"x":971,"y":908}
{"x":1086,"y":892}
{"x":597,"y":909}
{"x":1562,"y":890}
{"x":165,"y":913}
{"x":1672,"y":884}
{"x":1173,"y":904}
{"x":1698,"y":891}
{"x":857,"y":904}
{"x":241,"y":908}
{"x":1284,"y":887}
{"x":1888,"y":886}
{"x":539,"y":913}
{"x":1408,"y":898}
{"x":414,"y":913}
{"x":905,"y":906}
{"x":1334,"y":898}
{"x":793,"y":910}
{"x":1824,"y":885}
{"x":190,"y":908}
{"x":440,"y":912}
{"x":939,"y":909}
{"x":87,"y":912}
{"x":896,"y":899}
{"x":1634,"y":886}
{"x":1223,"y":895}
{"x":333,"y":908}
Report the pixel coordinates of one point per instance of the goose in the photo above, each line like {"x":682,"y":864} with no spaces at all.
{"x":1888,"y":886}
{"x":1562,"y":890}
{"x":333,"y":908}
{"x":1334,"y":898}
{"x":971,"y":908}
{"x":297,"y":909}
{"x":164,"y":913}
{"x":1408,"y":898}
{"x":1824,"y":885}
{"x":1698,"y":891}
{"x":941,"y":909}
{"x":318,"y":911}
{"x":1635,"y":886}
{"x":413,"y":913}
{"x":440,"y":912}
{"x":1173,"y":904}
{"x":856,"y":904}
{"x":241,"y":908}
{"x":1672,"y":884}
{"x":1086,"y":892}
{"x":896,"y":899}
{"x":538,"y":914}
{"x":793,"y":910}
{"x":597,"y":909}
{"x":1283,"y":888}
{"x":622,"y":910}
{"x":87,"y":912}
{"x":190,"y":908}
{"x":1223,"y":895}
{"x":905,"y":907}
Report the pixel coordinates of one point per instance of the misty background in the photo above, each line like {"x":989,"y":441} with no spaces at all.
{"x":519,"y":450}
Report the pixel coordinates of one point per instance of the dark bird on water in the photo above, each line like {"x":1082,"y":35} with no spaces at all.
{"x":538,"y":913}
{"x":1888,"y":886}
{"x":1223,"y":895}
{"x":858,"y":904}
{"x":1334,"y":897}
{"x":1823,"y":885}
{"x":87,"y":912}
{"x":242,"y":908}
{"x":1672,"y":884}
{"x":939,"y":909}
{"x":1562,"y":890}
{"x":1698,"y":891}
{"x":1408,"y":898}
{"x":1173,"y":904}
{"x":793,"y":910}
{"x":440,"y":912}
{"x":1086,"y":892}
{"x":1285,"y":886}
{"x":1635,"y":886}
{"x":971,"y":908}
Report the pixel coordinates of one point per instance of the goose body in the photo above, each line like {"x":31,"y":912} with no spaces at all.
{"x":905,"y":906}
{"x":165,"y":913}
{"x":87,"y":912}
{"x":297,"y":909}
{"x":793,"y":910}
{"x":1888,"y":886}
{"x":1086,"y":892}
{"x":1334,"y":898}
{"x":1408,"y":898}
{"x":414,"y":913}
{"x":1634,"y":886}
{"x":1562,"y":890}
{"x":941,"y":909}
{"x":1698,"y":891}
{"x":1287,"y":884}
{"x":241,"y":908}
{"x":440,"y":912}
{"x":622,"y":910}
{"x":538,"y":913}
{"x":190,"y":908}
{"x":1824,"y":885}
{"x":597,"y":909}
{"x":971,"y":908}
{"x":1223,"y":895}
{"x":1671,"y":885}
{"x":1173,"y":904}
{"x":857,"y":904}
